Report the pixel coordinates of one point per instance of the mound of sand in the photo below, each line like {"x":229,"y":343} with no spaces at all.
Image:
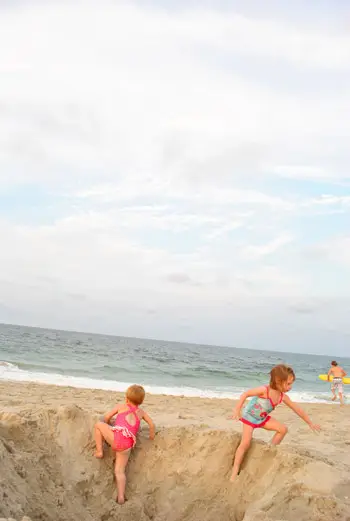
{"x":49,"y":474}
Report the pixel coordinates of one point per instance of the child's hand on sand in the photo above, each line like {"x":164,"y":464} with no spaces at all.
{"x":236,"y":414}
{"x":152,"y":436}
{"x":315,"y":427}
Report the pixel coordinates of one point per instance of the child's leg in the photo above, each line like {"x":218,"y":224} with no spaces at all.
{"x":121,"y":461}
{"x":242,"y":449}
{"x":102,"y":432}
{"x":280,"y":430}
{"x":341,"y":398}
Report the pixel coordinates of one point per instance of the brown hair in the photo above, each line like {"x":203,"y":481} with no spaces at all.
{"x":135,"y":394}
{"x":334,"y":363}
{"x":279,"y":374}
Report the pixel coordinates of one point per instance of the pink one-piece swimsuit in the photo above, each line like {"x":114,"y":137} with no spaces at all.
{"x":124,"y":432}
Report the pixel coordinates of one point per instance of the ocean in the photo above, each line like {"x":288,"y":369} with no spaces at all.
{"x":112,"y":363}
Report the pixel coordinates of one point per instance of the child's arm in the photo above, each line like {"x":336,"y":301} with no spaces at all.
{"x":329,"y":373}
{"x":257,"y":391}
{"x":109,"y":415}
{"x":302,"y":414}
{"x":152,"y":428}
{"x":344,"y":372}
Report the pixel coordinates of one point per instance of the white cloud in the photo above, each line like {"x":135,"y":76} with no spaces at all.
{"x":273,"y":39}
{"x":329,"y":200}
{"x":255,"y":252}
{"x":301,"y":171}
{"x":166,"y":136}
{"x":113,"y":99}
{"x":335,"y":249}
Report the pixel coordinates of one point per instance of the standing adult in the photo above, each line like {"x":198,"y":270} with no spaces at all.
{"x":338,"y":374}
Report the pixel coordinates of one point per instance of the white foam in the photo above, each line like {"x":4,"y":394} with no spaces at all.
{"x":8,"y":365}
{"x":11,"y":372}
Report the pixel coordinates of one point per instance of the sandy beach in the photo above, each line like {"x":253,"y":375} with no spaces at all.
{"x":48,"y":471}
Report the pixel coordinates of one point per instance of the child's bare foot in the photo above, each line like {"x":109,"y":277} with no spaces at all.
{"x":334,"y":398}
{"x":98,"y":454}
{"x":234,"y":475}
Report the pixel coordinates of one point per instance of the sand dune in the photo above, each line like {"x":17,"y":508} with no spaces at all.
{"x":48,"y":472}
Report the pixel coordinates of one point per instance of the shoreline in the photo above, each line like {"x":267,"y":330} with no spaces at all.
{"x":78,"y":382}
{"x":120,"y":393}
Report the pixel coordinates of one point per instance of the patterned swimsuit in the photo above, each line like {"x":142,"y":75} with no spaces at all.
{"x":257,"y":411}
{"x":125,"y":432}
{"x":337,"y":384}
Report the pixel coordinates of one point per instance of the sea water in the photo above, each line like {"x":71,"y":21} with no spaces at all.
{"x":112,"y":363}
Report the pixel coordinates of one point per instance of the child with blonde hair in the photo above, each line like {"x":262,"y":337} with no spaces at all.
{"x":256,"y":414}
{"x":121,"y":436}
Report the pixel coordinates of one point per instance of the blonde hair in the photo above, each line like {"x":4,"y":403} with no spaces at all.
{"x":135,"y":394}
{"x":279,"y":374}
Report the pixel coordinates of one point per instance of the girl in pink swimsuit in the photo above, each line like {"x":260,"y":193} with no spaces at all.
{"x":121,"y":436}
{"x":256,"y":414}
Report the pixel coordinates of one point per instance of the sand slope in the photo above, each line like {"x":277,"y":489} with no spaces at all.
{"x":48,"y":473}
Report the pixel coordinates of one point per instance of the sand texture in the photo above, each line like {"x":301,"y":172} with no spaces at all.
{"x":47,"y":469}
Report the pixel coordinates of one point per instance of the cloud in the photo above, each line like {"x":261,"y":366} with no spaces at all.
{"x":303,"y":310}
{"x":336,"y":249}
{"x":181,"y":278}
{"x":192,"y":164}
{"x":307,"y":306}
{"x":329,"y":200}
{"x":118,"y":103}
{"x":268,"y":248}
{"x":76,"y":296}
{"x":301,"y":171}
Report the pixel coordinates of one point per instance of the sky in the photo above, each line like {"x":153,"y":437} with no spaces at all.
{"x":177,"y":170}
